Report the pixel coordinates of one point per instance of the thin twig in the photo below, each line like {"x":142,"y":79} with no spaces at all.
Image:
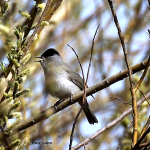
{"x":91,"y":54}
{"x":120,"y":100}
{"x":73,"y":127}
{"x":85,"y":86}
{"x":143,"y":75}
{"x":142,"y":93}
{"x":126,"y":133}
{"x":145,"y":127}
{"x":83,"y":140}
{"x":84,"y":98}
{"x":134,"y":103}
{"x":78,"y":61}
{"x":144,"y":145}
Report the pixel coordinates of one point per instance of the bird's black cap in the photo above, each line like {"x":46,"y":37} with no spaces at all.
{"x":50,"y":52}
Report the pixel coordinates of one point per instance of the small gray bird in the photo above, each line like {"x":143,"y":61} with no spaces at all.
{"x":61,"y":81}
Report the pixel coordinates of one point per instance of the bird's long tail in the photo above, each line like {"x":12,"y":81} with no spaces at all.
{"x":89,"y":114}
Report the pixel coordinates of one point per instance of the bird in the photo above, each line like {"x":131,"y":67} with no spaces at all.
{"x":61,"y":81}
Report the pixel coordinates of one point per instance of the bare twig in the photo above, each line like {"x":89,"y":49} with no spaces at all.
{"x":110,"y":125}
{"x":134,"y":103}
{"x":143,"y":75}
{"x":84,"y":97}
{"x":145,"y":127}
{"x":85,"y":86}
{"x":73,"y":127}
{"x":142,"y":93}
{"x":126,"y":133}
{"x":120,"y":100}
{"x":91,"y":54}
{"x":144,"y":145}
{"x":84,"y":144}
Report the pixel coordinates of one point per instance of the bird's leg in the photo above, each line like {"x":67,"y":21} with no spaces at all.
{"x":71,"y":100}
{"x":61,"y":100}
{"x":57,"y":103}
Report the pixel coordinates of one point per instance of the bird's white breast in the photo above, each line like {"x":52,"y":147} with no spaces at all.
{"x":59,"y":86}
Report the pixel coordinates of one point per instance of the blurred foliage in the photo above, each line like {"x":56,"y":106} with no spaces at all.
{"x":74,"y":23}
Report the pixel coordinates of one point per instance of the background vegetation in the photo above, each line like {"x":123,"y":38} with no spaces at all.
{"x":73,"y":23}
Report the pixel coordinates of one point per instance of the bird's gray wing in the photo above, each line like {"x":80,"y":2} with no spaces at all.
{"x":74,"y":77}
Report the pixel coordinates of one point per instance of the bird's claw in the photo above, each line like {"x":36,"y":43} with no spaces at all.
{"x":57,"y":103}
{"x":71,"y":100}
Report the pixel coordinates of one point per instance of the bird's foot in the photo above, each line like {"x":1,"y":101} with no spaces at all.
{"x":57,"y":103}
{"x":71,"y":100}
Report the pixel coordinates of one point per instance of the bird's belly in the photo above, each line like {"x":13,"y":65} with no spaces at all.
{"x":60,"y":87}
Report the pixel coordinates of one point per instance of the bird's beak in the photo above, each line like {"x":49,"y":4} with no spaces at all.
{"x":38,"y":58}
